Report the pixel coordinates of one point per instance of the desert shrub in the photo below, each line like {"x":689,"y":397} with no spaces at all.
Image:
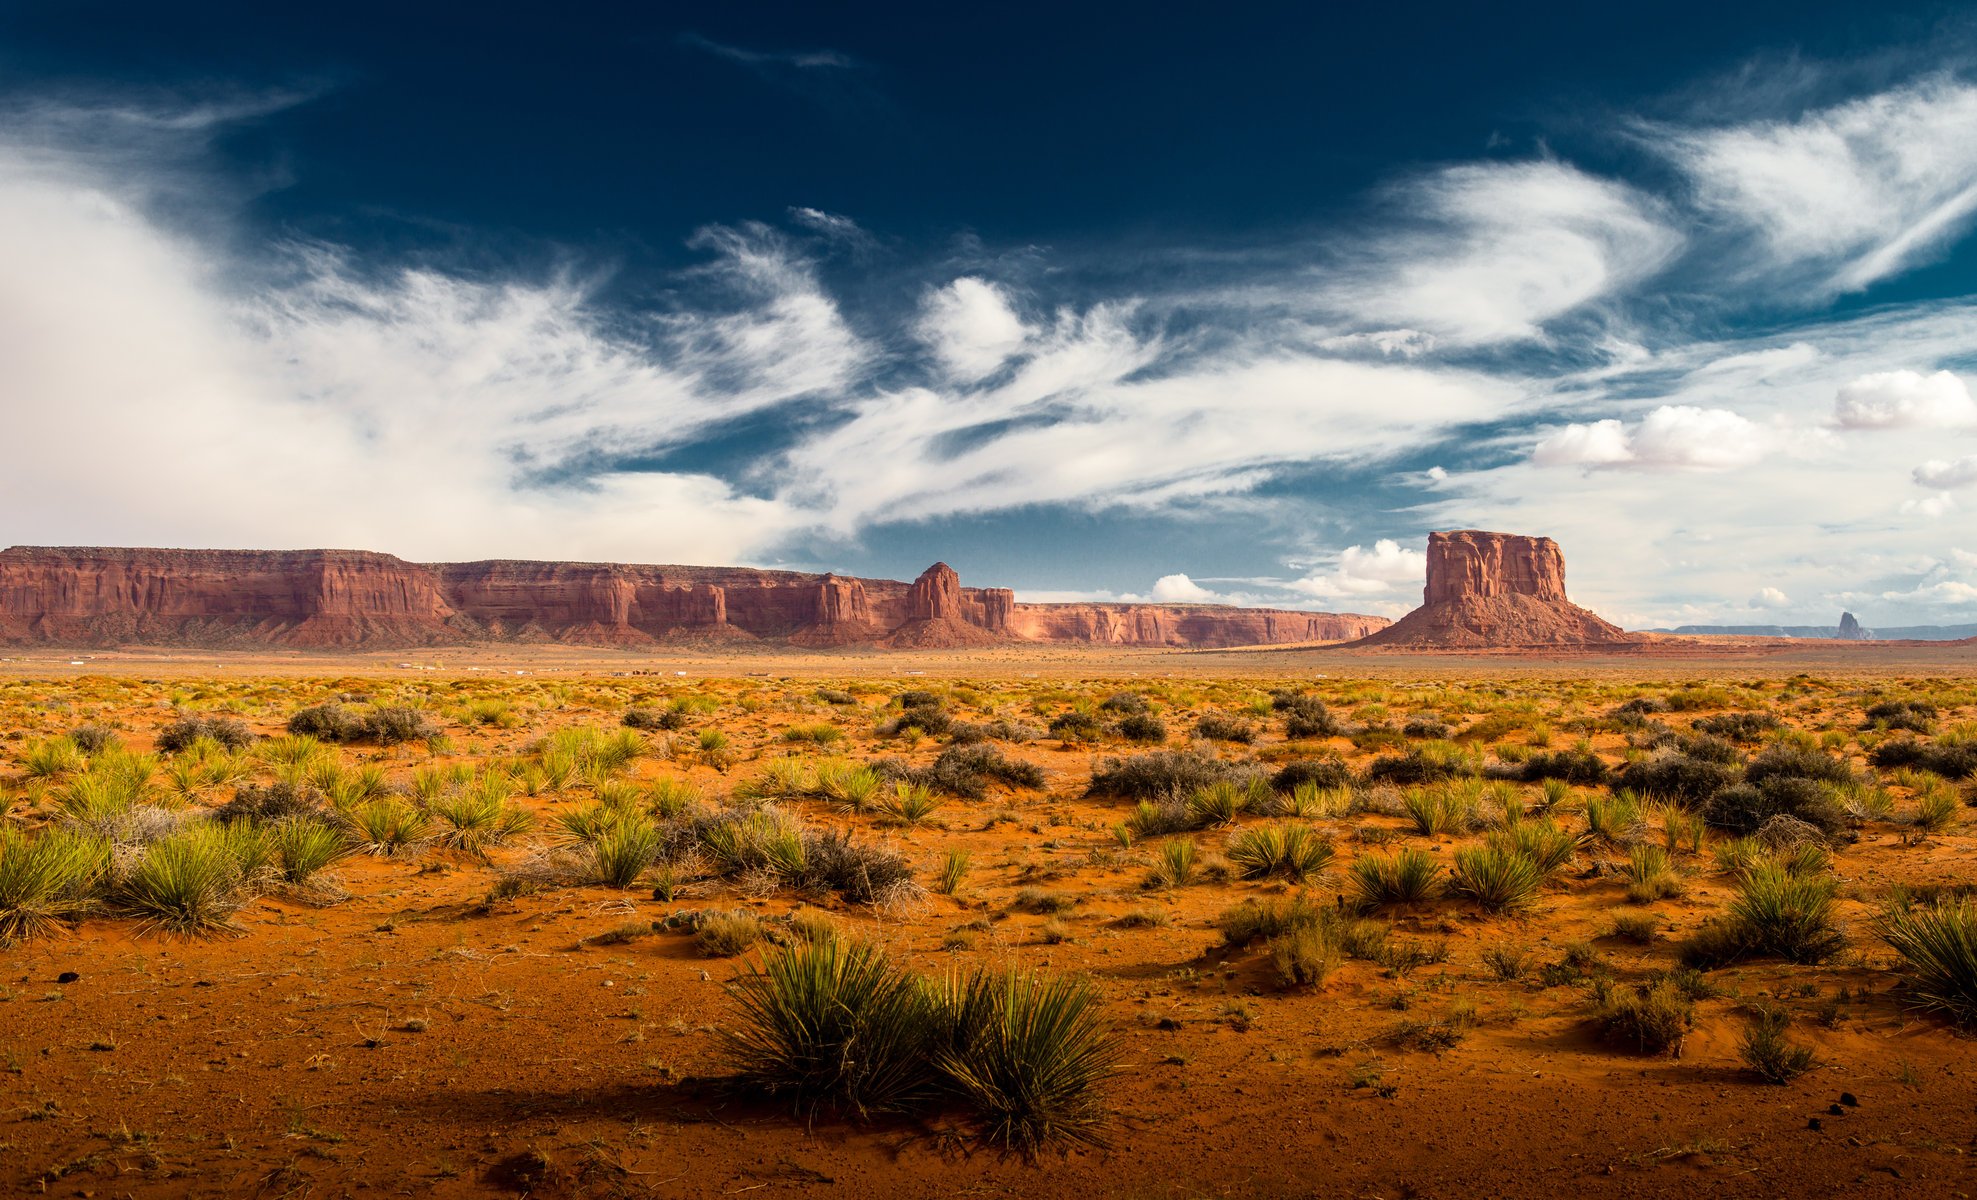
{"x":327,"y":722}
{"x":1126,"y":704}
{"x":820,"y":733}
{"x":187,"y":728}
{"x":838,"y":781}
{"x":1898,"y":752}
{"x":387,"y":826}
{"x":272,"y":802}
{"x":1737,"y":726}
{"x":1405,"y":877}
{"x":1745,"y":808}
{"x":724,"y":935}
{"x":830,"y":1024}
{"x":1222,"y":727}
{"x":1765,"y":1049}
{"x":1027,"y":1055}
{"x":1548,"y":846}
{"x":1439,"y":810}
{"x":1426,"y":763}
{"x":1327,"y":773}
{"x":92,"y":738}
{"x":1654,"y":1018}
{"x":1142,"y":727}
{"x":1260,"y":920}
{"x":1951,"y":760}
{"x":385,"y":725}
{"x":1649,"y":875}
{"x":1938,"y":948}
{"x":1639,"y":928}
{"x":47,"y":879}
{"x":1307,"y":717}
{"x":1077,"y":726}
{"x":1293,"y":852}
{"x":650,"y":718}
{"x":1573,"y":766}
{"x":861,"y":872}
{"x":1496,"y":877}
{"x":193,"y":881}
{"x":1161,"y":774}
{"x":303,"y":847}
{"x":1640,"y":706}
{"x":1675,"y":778}
{"x":1175,"y":865}
{"x":926,"y":714}
{"x":1426,"y":725}
{"x":961,"y":733}
{"x":620,"y":853}
{"x":966,"y":771}
{"x":1916,"y":716}
{"x":1222,"y":802}
{"x":1306,"y":955}
{"x":1784,"y":760}
{"x":1776,"y":913}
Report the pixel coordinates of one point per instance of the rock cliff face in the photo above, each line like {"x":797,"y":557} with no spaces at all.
{"x":349,"y":599}
{"x":1496,"y":590}
{"x":1851,"y":631}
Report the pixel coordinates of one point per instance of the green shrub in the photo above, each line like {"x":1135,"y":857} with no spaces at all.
{"x":1327,"y":773}
{"x":1654,"y":1018}
{"x":186,"y":730}
{"x":304,"y":846}
{"x":1165,"y":774}
{"x":1077,"y":725}
{"x":1296,"y":853}
{"x":1406,"y":877}
{"x":1221,"y":727}
{"x":47,"y":879}
{"x":1938,"y":948}
{"x":189,"y":883}
{"x":1765,"y":1049}
{"x":1142,"y":727}
{"x":1496,"y":877}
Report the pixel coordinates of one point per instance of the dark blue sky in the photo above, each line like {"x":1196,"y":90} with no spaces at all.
{"x":1094,"y":295}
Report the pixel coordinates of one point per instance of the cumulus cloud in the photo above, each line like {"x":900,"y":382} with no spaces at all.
{"x":1360,"y":571}
{"x":972,"y":327}
{"x":1904,"y":400}
{"x":1672,"y":437}
{"x":1179,"y":589}
{"x":1937,"y":473}
{"x":1931,"y":506}
{"x":1770,"y":597}
{"x":1853,"y":193}
{"x":1504,"y":248}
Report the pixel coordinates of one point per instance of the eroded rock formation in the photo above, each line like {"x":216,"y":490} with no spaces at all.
{"x":1488,"y":590}
{"x":352,"y":599}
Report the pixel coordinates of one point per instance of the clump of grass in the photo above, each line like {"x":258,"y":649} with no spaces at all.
{"x":1220,"y":803}
{"x":1655,"y":1018}
{"x":1548,"y":846}
{"x":909,"y":804}
{"x":1777,"y":912}
{"x":1639,"y":928}
{"x":724,"y":935}
{"x":1649,"y":875}
{"x":1306,"y":954}
{"x":1296,"y":853}
{"x":1507,"y":963}
{"x":46,"y":880}
{"x":1765,"y":1049}
{"x":1405,"y":877}
{"x":193,"y":881}
{"x":388,"y":826}
{"x":1496,"y":877}
{"x":1614,"y":820}
{"x":1938,"y":948}
{"x":1176,"y":865}
{"x":52,"y":758}
{"x":831,"y":1025}
{"x":953,"y":872}
{"x":1439,"y":810}
{"x":619,"y":854}
{"x":480,"y":818}
{"x":304,"y":847}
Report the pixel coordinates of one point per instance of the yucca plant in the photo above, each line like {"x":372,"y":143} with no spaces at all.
{"x":669,"y":796}
{"x":846,"y":784}
{"x":1650,"y":876}
{"x":1028,"y":1054}
{"x":189,"y":883}
{"x":784,"y":779}
{"x":303,"y":847}
{"x":1681,"y":830}
{"x":831,"y":1024}
{"x":1542,"y":841}
{"x":1293,"y":852}
{"x":621,"y":853}
{"x":1220,"y":803}
{"x":1787,"y":914}
{"x":97,"y":800}
{"x":1405,"y":877}
{"x":1439,"y":810}
{"x":953,"y":871}
{"x":480,"y":818}
{"x":1938,"y":947}
{"x":52,"y":758}
{"x":47,"y":879}
{"x":909,"y":804}
{"x":1935,"y":807}
{"x":388,"y":826}
{"x":1765,"y":1049}
{"x":1496,"y":877}
{"x":1176,"y":865}
{"x":1312,"y":802}
{"x":1613,"y":820}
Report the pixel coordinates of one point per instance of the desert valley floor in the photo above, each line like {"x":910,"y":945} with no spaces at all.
{"x":447,"y":1011}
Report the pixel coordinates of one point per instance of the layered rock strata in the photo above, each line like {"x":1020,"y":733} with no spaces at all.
{"x":1488,"y":590}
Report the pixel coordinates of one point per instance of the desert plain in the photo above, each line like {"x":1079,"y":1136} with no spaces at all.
{"x":455,"y":1000}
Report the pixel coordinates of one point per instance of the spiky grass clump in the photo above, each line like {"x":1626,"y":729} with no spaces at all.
{"x":1439,"y":810}
{"x":953,"y":872}
{"x":480,"y":818}
{"x":1220,"y":803}
{"x":1293,"y":852}
{"x":1650,"y":876}
{"x":304,"y":847}
{"x":46,"y":880}
{"x":1654,"y":1018}
{"x":1615,"y":820}
{"x":1305,"y":955}
{"x":910,"y":804}
{"x":831,"y":1025}
{"x":1778,"y":911}
{"x":52,"y":758}
{"x":1176,"y":865}
{"x":1496,"y":877}
{"x":193,"y":881}
{"x":1765,"y":1049}
{"x":388,"y":826}
{"x":621,"y":853}
{"x":724,"y":935}
{"x":1938,"y":947}
{"x":1542,"y":841}
{"x":1028,"y":1054}
{"x":1405,"y":877}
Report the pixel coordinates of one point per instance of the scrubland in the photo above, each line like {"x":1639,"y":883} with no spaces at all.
{"x":643,"y":935}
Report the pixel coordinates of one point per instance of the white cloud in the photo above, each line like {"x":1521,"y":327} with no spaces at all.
{"x":1505,"y":248}
{"x":1938,"y":505}
{"x":1854,"y":193}
{"x":1362,"y":572}
{"x":1672,"y":437}
{"x":1179,"y":589}
{"x":1770,"y":597}
{"x":1904,"y":400}
{"x":1936,"y":473}
{"x":971,"y":327}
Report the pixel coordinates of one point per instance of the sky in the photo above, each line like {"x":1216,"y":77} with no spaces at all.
{"x":1093,"y":301}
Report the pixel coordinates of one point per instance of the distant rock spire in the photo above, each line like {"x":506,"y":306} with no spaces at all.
{"x":1850,"y":630}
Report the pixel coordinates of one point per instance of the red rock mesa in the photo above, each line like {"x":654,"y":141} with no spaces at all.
{"x":1496,"y":590}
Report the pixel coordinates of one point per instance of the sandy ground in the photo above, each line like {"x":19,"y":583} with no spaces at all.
{"x":408,"y":1042}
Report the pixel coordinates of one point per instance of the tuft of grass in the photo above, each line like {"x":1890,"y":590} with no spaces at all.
{"x":191,"y":882}
{"x":1306,"y":954}
{"x":1649,"y":875}
{"x":1938,"y":948}
{"x":1777,"y":911}
{"x":1293,"y":852}
{"x":953,"y":872}
{"x":1498,"y":878}
{"x":724,"y":935}
{"x":1765,"y":1049}
{"x":618,"y":855}
{"x":303,"y":847}
{"x":831,"y":1025}
{"x":1405,"y":877}
{"x":909,"y":804}
{"x":1655,"y":1018}
{"x":1028,"y":1054}
{"x":388,"y":826}
{"x":1439,"y":810}
{"x":46,"y":880}
{"x":1176,"y":867}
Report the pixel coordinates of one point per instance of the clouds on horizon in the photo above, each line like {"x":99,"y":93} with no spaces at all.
{"x":1516,"y":323}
